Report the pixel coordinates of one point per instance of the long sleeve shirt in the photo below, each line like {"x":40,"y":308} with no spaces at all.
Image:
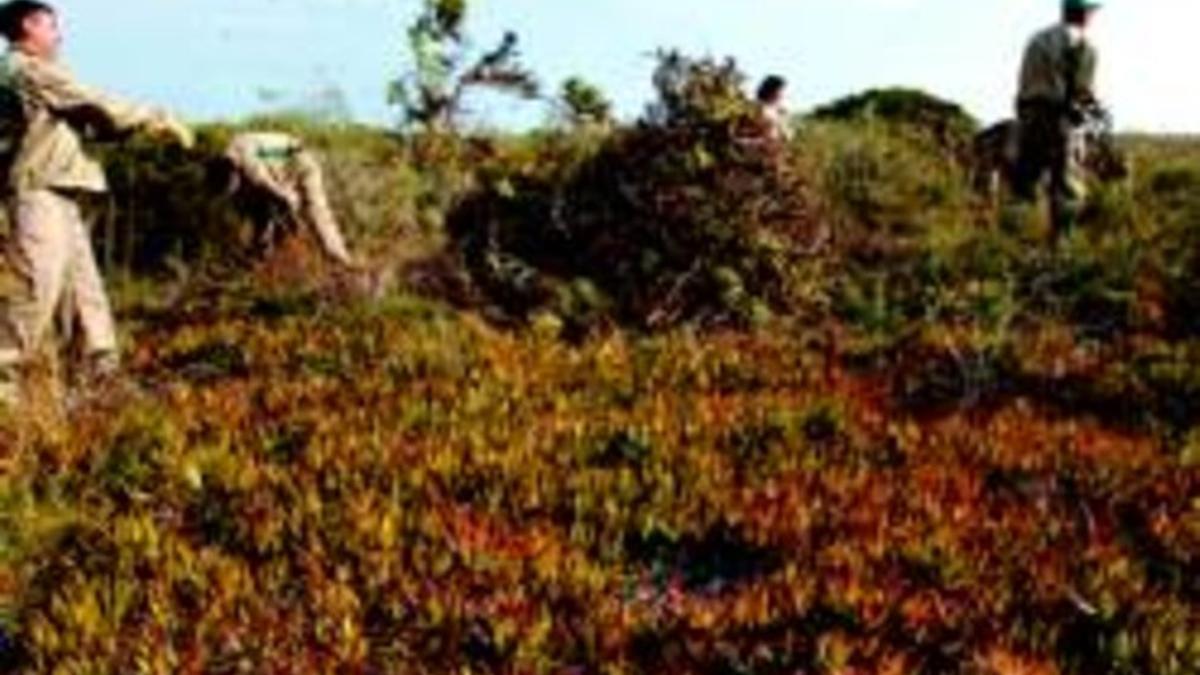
{"x":48,"y":152}
{"x":1059,"y":68}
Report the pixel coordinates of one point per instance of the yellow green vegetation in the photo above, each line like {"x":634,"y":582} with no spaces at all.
{"x":911,"y":438}
{"x":395,"y":487}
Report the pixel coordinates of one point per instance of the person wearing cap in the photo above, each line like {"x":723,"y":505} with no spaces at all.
{"x":44,"y":112}
{"x":276,"y":172}
{"x":1055,"y":96}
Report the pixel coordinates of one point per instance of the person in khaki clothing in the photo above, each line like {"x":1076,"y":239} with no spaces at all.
{"x":43,"y":111}
{"x":283,"y":182}
{"x":775,"y":117}
{"x":1056,"y":96}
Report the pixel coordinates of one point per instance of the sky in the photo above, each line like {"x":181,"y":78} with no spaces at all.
{"x":211,"y":59}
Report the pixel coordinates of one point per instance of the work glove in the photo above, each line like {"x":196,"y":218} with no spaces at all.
{"x":167,"y":125}
{"x":293,"y":200}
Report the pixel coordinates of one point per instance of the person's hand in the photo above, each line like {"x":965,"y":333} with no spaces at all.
{"x":182,"y":134}
{"x":293,"y":200}
{"x":354,"y":265}
{"x":167,"y":125}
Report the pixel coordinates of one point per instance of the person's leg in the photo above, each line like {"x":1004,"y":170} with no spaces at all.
{"x":269,"y":216}
{"x":315,"y":210}
{"x":89,"y":299}
{"x":1032,"y":156}
{"x":38,"y":255}
{"x":1025,"y":173}
{"x":1068,"y":181}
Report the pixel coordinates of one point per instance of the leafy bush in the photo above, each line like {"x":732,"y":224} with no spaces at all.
{"x":1168,"y":194}
{"x":890,"y":192}
{"x":161,"y":207}
{"x":687,"y":216}
{"x":942,"y":121}
{"x":584,"y":104}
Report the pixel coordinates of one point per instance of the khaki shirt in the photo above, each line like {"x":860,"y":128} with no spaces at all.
{"x":264,"y":158}
{"x":1053,"y":59}
{"x":50,"y":153}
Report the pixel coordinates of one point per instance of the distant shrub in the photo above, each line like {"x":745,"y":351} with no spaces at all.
{"x":444,"y":69}
{"x":583,"y":103}
{"x":946,"y":122}
{"x":883,"y":185}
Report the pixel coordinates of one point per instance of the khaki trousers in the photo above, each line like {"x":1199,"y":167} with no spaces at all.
{"x":298,"y":182}
{"x":1048,"y":144}
{"x":50,"y":253}
{"x":314,"y":207}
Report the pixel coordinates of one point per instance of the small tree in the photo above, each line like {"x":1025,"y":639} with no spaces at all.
{"x":444,"y":70}
{"x":692,"y":92}
{"x":583,"y":103}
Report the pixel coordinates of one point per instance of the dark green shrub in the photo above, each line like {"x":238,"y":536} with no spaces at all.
{"x":160,"y":207}
{"x":687,"y":216}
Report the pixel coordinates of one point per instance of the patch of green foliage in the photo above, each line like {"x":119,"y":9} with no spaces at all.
{"x":584,"y":104}
{"x":946,"y":122}
{"x":954,"y":444}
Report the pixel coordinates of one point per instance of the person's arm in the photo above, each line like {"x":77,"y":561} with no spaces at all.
{"x":1082,"y":103}
{"x":61,"y":92}
{"x":1033,"y":72}
{"x":1085,"y":79}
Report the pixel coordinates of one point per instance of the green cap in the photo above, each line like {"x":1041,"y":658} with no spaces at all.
{"x":1081,"y":5}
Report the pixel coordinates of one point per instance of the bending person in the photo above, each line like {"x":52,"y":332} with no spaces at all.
{"x":275,"y":170}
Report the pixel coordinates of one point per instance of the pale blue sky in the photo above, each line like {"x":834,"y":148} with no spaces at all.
{"x":216,"y":58}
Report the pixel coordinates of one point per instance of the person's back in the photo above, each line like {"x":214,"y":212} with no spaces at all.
{"x":263,"y":146}
{"x":1058,"y":69}
{"x":264,"y":159}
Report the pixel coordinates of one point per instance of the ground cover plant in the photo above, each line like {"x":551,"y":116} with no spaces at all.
{"x":883,"y":430}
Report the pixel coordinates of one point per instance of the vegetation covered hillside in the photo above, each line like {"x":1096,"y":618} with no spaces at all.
{"x":849,"y":419}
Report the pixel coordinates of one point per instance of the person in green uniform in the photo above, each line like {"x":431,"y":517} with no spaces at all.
{"x":1056,"y":95}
